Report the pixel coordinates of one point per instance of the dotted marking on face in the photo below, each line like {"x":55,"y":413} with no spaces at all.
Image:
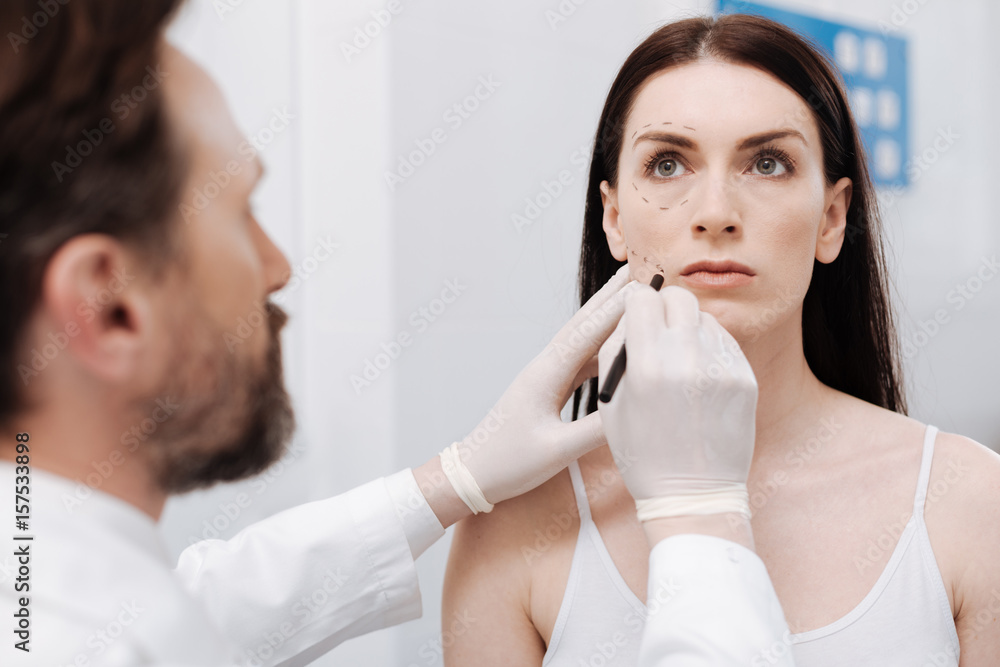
{"x":688,"y":127}
{"x":646,"y":125}
{"x":635,"y":133}
{"x":684,"y":202}
{"x":633,"y":186}
{"x":664,"y":208}
{"x":645,"y":200}
{"x":667,"y":122}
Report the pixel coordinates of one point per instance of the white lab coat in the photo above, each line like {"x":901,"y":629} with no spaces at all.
{"x":291,"y":587}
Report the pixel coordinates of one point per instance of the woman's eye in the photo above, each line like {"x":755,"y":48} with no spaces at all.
{"x":769,"y":166}
{"x":668,"y":167}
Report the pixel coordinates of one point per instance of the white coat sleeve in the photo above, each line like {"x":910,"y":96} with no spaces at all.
{"x":711,"y":604}
{"x":291,"y":587}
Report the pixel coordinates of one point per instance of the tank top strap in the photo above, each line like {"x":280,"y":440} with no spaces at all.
{"x":580,"y":492}
{"x":923,"y":480}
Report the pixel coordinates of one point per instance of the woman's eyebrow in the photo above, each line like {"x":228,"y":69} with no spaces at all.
{"x":666,"y":138}
{"x":760,"y":139}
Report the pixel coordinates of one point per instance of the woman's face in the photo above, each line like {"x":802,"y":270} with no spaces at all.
{"x":723,"y":163}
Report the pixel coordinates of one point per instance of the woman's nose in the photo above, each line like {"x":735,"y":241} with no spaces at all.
{"x":714,"y":206}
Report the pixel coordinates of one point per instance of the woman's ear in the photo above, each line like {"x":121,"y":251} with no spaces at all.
{"x":834,"y":224}
{"x":612,"y":222}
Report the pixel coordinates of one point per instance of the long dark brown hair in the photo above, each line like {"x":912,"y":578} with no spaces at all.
{"x":848,"y":335}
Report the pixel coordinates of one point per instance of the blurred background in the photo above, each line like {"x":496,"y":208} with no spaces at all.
{"x":426,"y":171}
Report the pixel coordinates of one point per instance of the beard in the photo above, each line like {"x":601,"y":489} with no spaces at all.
{"x":232,"y":417}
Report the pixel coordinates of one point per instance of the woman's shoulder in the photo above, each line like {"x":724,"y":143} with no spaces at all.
{"x":964,"y":493}
{"x":513,"y":524}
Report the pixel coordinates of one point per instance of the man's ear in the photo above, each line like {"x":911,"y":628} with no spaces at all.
{"x":93,"y":303}
{"x":612,"y":222}
{"x":834,"y":225}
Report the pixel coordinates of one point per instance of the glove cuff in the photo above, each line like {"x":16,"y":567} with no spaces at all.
{"x":462,"y":480}
{"x":725,"y":497}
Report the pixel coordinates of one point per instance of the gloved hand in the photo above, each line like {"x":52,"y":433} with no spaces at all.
{"x":523,"y":441}
{"x":684,"y":410}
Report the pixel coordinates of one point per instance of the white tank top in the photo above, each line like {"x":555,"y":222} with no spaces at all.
{"x":904,"y":620}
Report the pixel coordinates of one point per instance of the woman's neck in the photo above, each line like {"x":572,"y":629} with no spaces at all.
{"x":790,"y":398}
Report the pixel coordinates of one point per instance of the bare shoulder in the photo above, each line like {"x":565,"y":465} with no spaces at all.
{"x":493,"y":572}
{"x":963,"y":495}
{"x":963,"y":508}
{"x":511,"y":523}
{"x":504,"y":541}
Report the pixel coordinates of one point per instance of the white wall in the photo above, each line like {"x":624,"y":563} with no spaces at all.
{"x":451,"y":220}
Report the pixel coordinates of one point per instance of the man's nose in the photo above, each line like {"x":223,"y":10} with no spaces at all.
{"x":277,"y":270}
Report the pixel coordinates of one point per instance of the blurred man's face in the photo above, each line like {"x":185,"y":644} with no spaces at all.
{"x":232,"y":416}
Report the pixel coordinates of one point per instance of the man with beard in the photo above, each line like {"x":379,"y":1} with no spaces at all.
{"x":117,"y":295}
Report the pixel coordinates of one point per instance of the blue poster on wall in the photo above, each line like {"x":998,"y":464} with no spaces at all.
{"x":874,"y":68}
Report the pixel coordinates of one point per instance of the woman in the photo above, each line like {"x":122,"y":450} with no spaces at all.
{"x":727,"y":159}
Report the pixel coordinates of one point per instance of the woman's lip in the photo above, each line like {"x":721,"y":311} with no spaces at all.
{"x":717,"y":279}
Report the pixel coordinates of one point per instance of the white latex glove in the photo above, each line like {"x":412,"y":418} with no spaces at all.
{"x":523,"y":441}
{"x":684,"y":410}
